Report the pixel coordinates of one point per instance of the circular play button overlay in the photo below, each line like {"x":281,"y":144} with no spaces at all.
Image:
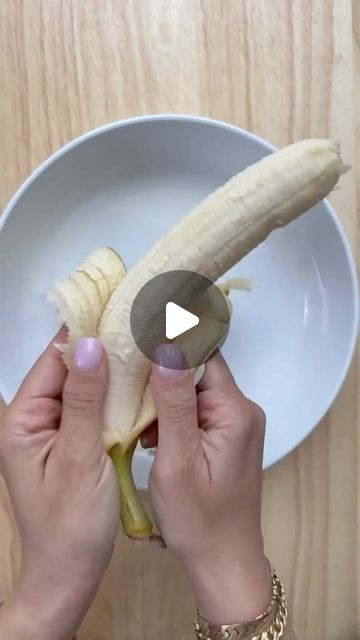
{"x":181,"y":307}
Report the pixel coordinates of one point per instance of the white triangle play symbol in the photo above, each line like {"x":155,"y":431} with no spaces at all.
{"x":178,"y":320}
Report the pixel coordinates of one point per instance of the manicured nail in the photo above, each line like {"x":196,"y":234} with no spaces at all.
{"x":88,"y":354}
{"x":169,"y":361}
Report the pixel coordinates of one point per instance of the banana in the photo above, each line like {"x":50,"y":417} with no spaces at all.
{"x":97,"y":277}
{"x":210,"y":240}
{"x":83,"y":296}
{"x":235,"y":284}
{"x":109,"y":265}
{"x":217,"y":234}
{"x":80,"y":304}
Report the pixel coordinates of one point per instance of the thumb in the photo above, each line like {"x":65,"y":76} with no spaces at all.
{"x":175,"y":399}
{"x":84,"y":394}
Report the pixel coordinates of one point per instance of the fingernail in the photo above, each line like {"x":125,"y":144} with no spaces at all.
{"x":169,"y":361}
{"x":88,"y":354}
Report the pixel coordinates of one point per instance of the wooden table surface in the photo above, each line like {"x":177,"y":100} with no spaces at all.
{"x":285,"y":69}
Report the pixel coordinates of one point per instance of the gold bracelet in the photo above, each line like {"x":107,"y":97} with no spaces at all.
{"x":270,"y":625}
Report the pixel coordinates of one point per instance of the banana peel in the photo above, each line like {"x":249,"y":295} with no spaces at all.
{"x":81,"y":299}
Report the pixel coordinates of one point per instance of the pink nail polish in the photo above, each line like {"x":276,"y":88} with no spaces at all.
{"x":88,"y":354}
{"x":169,"y":361}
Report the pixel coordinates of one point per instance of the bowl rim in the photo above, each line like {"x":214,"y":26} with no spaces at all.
{"x":204,"y":120}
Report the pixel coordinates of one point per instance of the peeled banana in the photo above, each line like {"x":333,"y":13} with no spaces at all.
{"x":96,"y":299}
{"x":83,"y":296}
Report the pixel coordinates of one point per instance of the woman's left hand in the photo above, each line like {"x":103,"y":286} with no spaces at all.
{"x":63,"y":490}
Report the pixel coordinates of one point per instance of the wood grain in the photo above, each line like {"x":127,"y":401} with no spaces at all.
{"x":285,"y":70}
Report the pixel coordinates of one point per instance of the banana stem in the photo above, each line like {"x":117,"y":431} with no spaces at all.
{"x":135,"y":522}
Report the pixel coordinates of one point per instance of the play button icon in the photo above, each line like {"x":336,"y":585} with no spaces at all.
{"x":178,"y":320}
{"x":182,"y":307}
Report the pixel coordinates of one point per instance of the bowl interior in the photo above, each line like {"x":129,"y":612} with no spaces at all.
{"x":291,"y":338}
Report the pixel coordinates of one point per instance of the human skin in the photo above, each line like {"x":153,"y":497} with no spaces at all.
{"x":65,"y":497}
{"x":205,"y":486}
{"x":63,"y":491}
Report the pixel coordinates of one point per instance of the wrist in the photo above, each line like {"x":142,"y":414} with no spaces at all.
{"x":231,"y":588}
{"x":47,"y":607}
{"x":20,"y":620}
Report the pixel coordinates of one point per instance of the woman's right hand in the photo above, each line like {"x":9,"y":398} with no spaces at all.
{"x":205,"y":485}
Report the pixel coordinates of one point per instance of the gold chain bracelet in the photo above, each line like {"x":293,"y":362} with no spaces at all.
{"x":270,"y":625}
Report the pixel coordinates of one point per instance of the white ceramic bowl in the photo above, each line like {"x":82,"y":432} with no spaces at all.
{"x":291,"y":339}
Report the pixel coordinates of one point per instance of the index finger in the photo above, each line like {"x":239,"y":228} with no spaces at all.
{"x":47,"y":377}
{"x":217,"y":375}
